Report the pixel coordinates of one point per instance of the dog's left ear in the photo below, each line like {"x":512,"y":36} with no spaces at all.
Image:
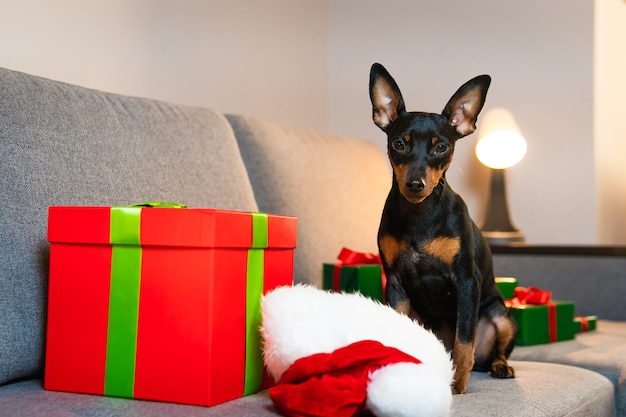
{"x":463,"y":108}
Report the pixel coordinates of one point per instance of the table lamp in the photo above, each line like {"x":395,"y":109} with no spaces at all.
{"x":500,"y":146}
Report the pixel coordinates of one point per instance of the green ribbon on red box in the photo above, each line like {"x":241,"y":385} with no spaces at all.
{"x":253,"y":377}
{"x":350,"y":257}
{"x":125,"y":232}
{"x":119,"y":378}
{"x":535,"y":296}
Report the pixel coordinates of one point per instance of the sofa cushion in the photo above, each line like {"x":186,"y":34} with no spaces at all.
{"x":538,"y":390}
{"x":66,"y":145}
{"x":337,"y":187}
{"x":602,"y":351}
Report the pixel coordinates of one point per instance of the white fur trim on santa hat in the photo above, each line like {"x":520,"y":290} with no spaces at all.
{"x":409,"y":390}
{"x":300,"y":321}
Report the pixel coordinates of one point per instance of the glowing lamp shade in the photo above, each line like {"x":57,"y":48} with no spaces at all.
{"x":500,"y":142}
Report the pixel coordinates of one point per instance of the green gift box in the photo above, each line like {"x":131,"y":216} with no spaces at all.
{"x":545,"y":323}
{"x":506,"y":285}
{"x":366,"y":279}
{"x":585,"y":323}
{"x":356,"y":272}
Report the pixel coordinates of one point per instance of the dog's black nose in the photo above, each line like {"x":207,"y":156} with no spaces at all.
{"x":415,"y":185}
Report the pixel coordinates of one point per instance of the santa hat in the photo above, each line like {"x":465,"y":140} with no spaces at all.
{"x":366,"y":357}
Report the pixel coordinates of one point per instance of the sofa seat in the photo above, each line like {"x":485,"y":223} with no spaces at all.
{"x":591,"y":277}
{"x":602,"y":351}
{"x":539,"y":390}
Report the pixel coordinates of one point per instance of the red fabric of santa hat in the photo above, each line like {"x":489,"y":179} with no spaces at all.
{"x":333,"y":384}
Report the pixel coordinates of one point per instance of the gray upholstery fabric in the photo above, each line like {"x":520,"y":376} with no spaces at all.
{"x":602,"y":351}
{"x":66,"y":145}
{"x":335,"y":185}
{"x":29,"y":399}
{"x":596,"y":285}
{"x":539,"y":390}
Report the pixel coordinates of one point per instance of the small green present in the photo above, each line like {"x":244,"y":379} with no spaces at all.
{"x":356,"y":272}
{"x":585,"y":323}
{"x":545,"y":323}
{"x":365,"y":279}
{"x":506,"y":285}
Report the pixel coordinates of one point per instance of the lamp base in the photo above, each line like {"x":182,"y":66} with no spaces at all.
{"x":503,"y":238}
{"x":498,"y":229}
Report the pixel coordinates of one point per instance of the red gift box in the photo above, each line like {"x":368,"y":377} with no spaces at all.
{"x":161,"y":303}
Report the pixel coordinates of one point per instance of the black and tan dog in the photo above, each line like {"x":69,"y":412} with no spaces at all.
{"x":439,"y":267}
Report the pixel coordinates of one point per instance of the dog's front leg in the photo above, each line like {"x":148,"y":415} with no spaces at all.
{"x":396,"y":296}
{"x":467,"y":313}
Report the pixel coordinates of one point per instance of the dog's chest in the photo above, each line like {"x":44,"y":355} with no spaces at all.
{"x":443,"y":249}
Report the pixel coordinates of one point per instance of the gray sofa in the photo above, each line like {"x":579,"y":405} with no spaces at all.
{"x":66,"y":145}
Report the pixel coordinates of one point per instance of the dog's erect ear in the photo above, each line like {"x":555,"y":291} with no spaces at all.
{"x":463,"y":108}
{"x":387,"y":102}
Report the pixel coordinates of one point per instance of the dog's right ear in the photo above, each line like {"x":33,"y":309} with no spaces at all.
{"x":387,"y":101}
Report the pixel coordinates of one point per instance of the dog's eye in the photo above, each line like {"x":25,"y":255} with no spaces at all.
{"x":441,"y":148}
{"x":399,"y":145}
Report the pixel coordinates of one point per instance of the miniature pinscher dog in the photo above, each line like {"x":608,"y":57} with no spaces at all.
{"x":438,"y":265}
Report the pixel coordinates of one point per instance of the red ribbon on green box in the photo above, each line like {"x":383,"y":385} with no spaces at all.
{"x":125,"y":236}
{"x":350,"y":257}
{"x":353,"y":259}
{"x":559,"y":326}
{"x":585,"y":323}
{"x":536,"y":296}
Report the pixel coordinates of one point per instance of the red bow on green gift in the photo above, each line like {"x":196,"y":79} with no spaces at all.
{"x":530,"y":295}
{"x":350,"y":257}
{"x":535,"y":296}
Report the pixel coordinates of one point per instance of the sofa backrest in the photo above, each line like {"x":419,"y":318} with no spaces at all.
{"x":337,"y":187}
{"x":593,"y":278}
{"x":66,"y":145}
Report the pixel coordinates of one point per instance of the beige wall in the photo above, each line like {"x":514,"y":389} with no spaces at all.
{"x":610,"y":119}
{"x":266,"y":58}
{"x":539,"y":54}
{"x":305,"y":63}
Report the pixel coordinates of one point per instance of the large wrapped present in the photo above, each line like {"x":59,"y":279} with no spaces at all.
{"x":539,"y":318}
{"x":356,"y":272}
{"x":161,"y":303}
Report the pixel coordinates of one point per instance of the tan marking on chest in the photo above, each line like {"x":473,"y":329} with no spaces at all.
{"x":444,"y":248}
{"x":390,"y":247}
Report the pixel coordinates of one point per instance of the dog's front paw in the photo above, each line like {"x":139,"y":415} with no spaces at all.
{"x":460,"y":384}
{"x":501,"y":369}
{"x":456,"y":389}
